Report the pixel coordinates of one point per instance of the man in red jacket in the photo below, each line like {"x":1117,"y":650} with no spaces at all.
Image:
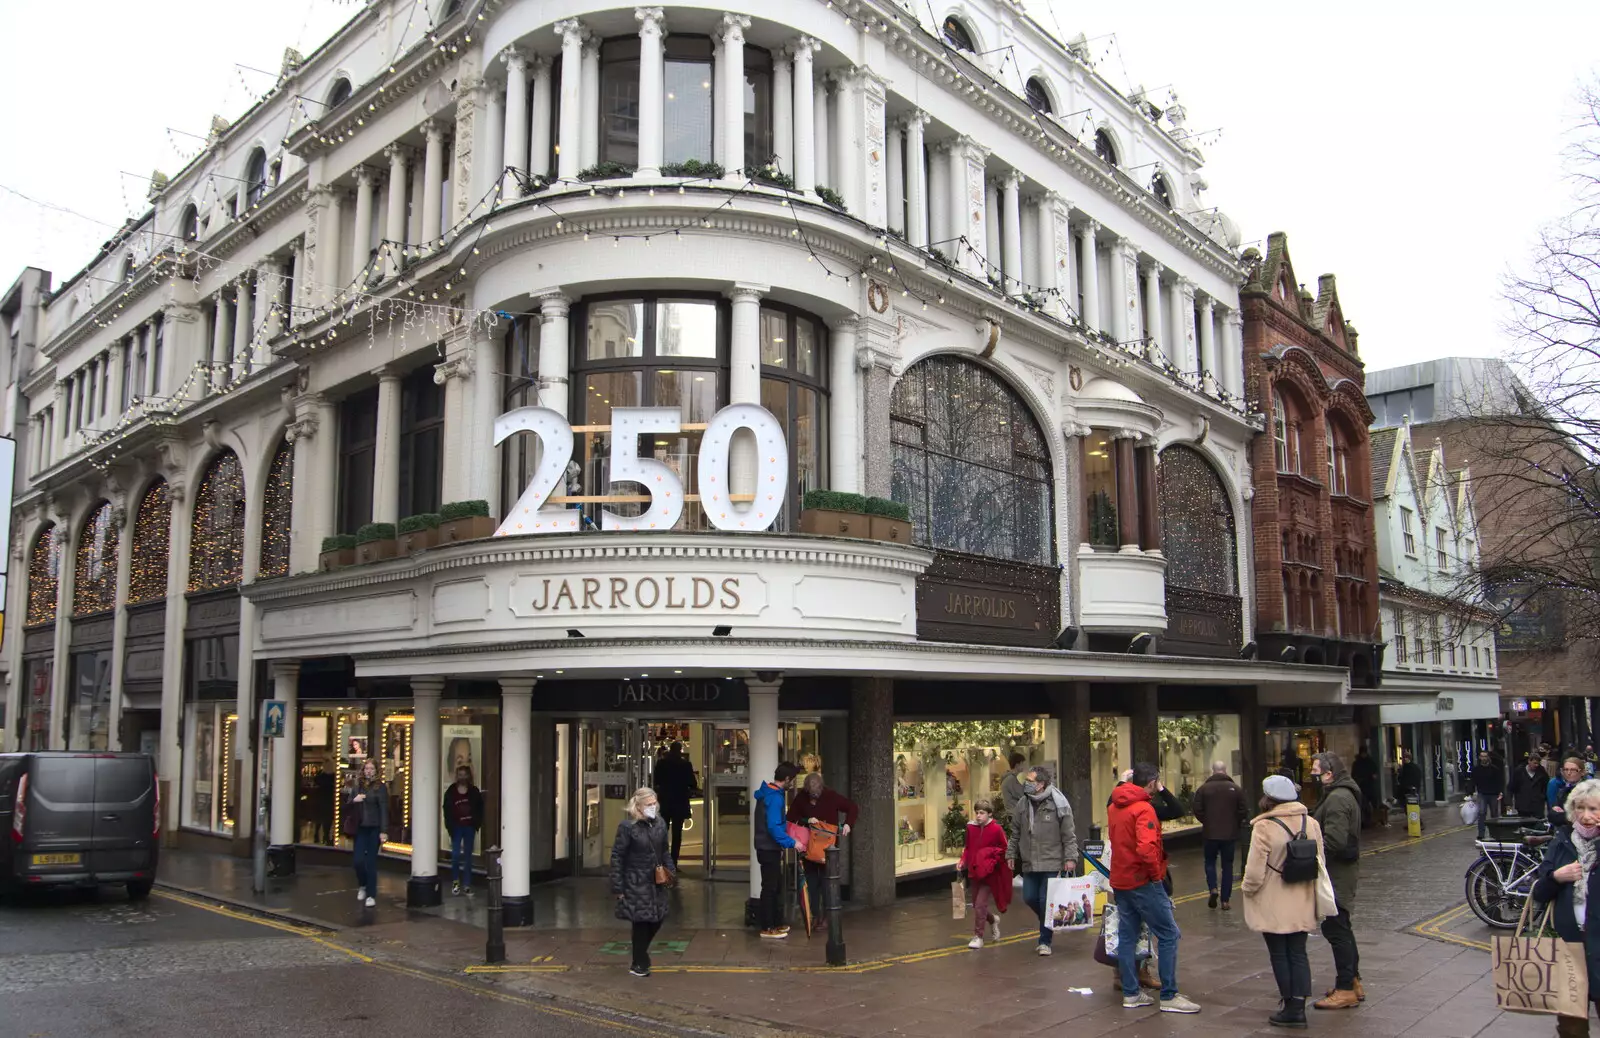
{"x":1138,"y":862}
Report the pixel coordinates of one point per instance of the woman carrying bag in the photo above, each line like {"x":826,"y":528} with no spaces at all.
{"x":641,"y":871}
{"x":1280,"y":898}
{"x":1568,"y":880}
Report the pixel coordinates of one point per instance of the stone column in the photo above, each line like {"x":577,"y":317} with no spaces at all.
{"x":844,"y":450}
{"x":326,"y":272}
{"x":967,"y":160}
{"x":484,"y":483}
{"x":386,"y":451}
{"x":1208,"y":346}
{"x":427,"y":793}
{"x":554,"y":382}
{"x":1011,"y":231}
{"x":240,"y":356}
{"x":652,"y":91}
{"x":177,"y":616}
{"x":1143,"y":717}
{"x":395,"y":226}
{"x":262,"y":318}
{"x":731,"y":100}
{"x":589,"y":109}
{"x":1069,"y":705}
{"x":1127,"y":493}
{"x":991,"y":229}
{"x":821,"y":139}
{"x":744,"y":380}
{"x":539,"y":124}
{"x":516,"y":123}
{"x":1124,"y":288}
{"x":872,"y":840}
{"x":1183,"y":317}
{"x":488,"y":174}
{"x":305,"y":544}
{"x":285,"y":779}
{"x":432,"y":184}
{"x":1233,"y":350}
{"x":361,"y":248}
{"x":782,"y":112}
{"x":1149,"y":518}
{"x":516,"y":769}
{"x":1090,"y":258}
{"x":868,"y":177}
{"x":324,"y":473}
{"x":570,"y":147}
{"x":1154,"y":329}
{"x":916,"y":180}
{"x":846,"y":154}
{"x":119,"y":623}
{"x":805,"y":126}
{"x":764,"y":739}
{"x":456,"y":371}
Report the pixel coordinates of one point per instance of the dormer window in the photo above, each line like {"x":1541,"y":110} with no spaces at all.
{"x":1105,"y":148}
{"x":957,"y":35}
{"x":1038,"y":97}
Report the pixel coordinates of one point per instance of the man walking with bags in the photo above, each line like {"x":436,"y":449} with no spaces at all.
{"x":1339,"y":813}
{"x":1219,"y":808}
{"x":1046,"y":844}
{"x":1138,"y":863}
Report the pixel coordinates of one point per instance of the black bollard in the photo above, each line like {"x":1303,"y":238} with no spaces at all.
{"x":495,"y":949}
{"x":834,"y":906}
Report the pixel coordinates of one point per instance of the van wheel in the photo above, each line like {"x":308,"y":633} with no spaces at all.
{"x":139,"y":889}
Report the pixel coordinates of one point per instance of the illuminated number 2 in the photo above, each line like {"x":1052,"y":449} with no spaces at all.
{"x":529,"y":515}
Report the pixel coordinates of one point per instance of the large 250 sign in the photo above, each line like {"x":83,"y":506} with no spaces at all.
{"x":540,"y":510}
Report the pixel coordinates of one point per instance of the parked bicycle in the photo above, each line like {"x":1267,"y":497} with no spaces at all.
{"x":1500,"y":880}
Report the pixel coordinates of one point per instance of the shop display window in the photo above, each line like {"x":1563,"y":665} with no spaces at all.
{"x":210,"y":776}
{"x":1188,"y":744}
{"x":941,"y":767}
{"x":90,"y":707}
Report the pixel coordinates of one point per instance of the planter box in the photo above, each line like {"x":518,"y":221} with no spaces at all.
{"x":472,"y":528}
{"x":329,"y":561}
{"x":422,"y":540}
{"x":835,"y":524}
{"x":375,"y":551}
{"x":887,"y":529}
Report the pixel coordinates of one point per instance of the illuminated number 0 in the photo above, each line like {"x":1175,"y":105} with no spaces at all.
{"x":772,"y":468}
{"x":529,"y":515}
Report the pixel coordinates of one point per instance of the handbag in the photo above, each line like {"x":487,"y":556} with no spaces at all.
{"x":1535,"y":971}
{"x":958,"y":900}
{"x":1327,"y":900}
{"x":821,"y":836}
{"x":663,"y":875}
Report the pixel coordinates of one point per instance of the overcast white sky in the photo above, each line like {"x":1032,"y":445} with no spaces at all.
{"x":1411,"y":148}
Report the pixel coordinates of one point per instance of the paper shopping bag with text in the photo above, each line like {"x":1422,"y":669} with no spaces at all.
{"x":1535,"y":971}
{"x":1069,"y":903}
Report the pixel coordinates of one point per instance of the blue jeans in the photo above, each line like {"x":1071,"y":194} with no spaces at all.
{"x":1213,"y":848}
{"x":1488,"y":807}
{"x":1036,"y":893}
{"x":1149,"y":906}
{"x":366,"y":859}
{"x":462,"y":837}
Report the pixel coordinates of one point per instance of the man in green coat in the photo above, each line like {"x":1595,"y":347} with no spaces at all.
{"x":1339,"y":813}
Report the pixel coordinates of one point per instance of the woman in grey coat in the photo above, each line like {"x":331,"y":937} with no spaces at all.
{"x":640,"y":847}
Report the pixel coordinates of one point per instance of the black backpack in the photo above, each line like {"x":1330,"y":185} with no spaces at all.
{"x":1300,"y":856}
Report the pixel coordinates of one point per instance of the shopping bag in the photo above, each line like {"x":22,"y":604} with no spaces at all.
{"x":1105,"y":946}
{"x":1069,"y":903}
{"x":1535,"y":971}
{"x":800,"y":835}
{"x":820,"y":837}
{"x":1327,"y":901}
{"x":958,"y":900}
{"x":1469,"y":811}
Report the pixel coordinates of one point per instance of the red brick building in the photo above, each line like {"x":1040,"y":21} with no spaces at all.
{"x":1316,"y":562}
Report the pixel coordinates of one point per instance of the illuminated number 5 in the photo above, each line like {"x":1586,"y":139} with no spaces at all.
{"x":529,"y":515}
{"x":772,"y":468}
{"x":659,"y":481}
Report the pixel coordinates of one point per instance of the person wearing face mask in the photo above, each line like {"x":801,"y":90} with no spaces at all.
{"x":1560,"y":788}
{"x":1046,"y":844}
{"x":640,"y":861}
{"x":463,"y":817}
{"x":1568,"y":879}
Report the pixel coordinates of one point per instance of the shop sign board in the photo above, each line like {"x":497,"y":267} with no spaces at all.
{"x":996,"y":602}
{"x":1310,"y":716}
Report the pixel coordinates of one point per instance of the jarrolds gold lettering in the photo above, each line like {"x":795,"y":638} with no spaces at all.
{"x":667,"y":692}
{"x":958,"y":603}
{"x":626,"y":593}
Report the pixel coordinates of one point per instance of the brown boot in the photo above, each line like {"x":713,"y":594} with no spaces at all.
{"x":1147,"y":981}
{"x":1338,"y":999}
{"x":1572,"y":1027}
{"x":1361,"y":992}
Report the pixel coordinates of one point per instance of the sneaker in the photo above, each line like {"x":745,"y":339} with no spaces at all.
{"x":1138,"y":1001}
{"x":1044,"y":949}
{"x":455,"y":888}
{"x":1227,"y":907}
{"x":785,"y":930}
{"x":976,"y":942}
{"x":371,"y":902}
{"x":1179,"y":1004}
{"x":994,"y":929}
{"x":775,"y":935}
{"x":361,"y":893}
{"x":1212,"y":901}
{"x":638,"y":971}
{"x":467,"y":890}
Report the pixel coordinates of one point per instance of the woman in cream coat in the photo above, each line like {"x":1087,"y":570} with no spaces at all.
{"x":1282,"y":912}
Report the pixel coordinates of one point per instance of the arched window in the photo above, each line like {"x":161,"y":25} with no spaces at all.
{"x":971,"y":462}
{"x":1280,"y":433}
{"x":189,"y":224}
{"x":276,"y":507}
{"x":1162,"y":190}
{"x":1197,"y":528}
{"x":957,"y":35}
{"x":255,"y":177}
{"x":1038,"y":96}
{"x":216,"y":547}
{"x":94,"y":587}
{"x":151,"y":539}
{"x":44,"y":575}
{"x":339,"y":94}
{"x":1287,"y":415}
{"x":1106,"y":148}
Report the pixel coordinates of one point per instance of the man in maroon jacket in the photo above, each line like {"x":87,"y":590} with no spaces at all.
{"x":1138,"y":862}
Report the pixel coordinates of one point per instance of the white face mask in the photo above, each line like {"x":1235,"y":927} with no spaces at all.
{"x":650,"y":812}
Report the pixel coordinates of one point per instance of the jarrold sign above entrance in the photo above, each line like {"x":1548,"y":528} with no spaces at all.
{"x":581,"y":594}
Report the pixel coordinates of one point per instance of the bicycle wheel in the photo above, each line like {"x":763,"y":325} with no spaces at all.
{"x":1489,"y":899}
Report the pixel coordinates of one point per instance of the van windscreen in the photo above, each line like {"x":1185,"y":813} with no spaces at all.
{"x":64,"y":780}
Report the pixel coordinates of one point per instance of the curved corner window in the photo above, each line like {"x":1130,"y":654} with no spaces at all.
{"x":688,"y":102}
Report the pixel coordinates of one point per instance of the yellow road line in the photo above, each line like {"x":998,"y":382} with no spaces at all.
{"x":1435,"y":928}
{"x":298,"y":931}
{"x":516,"y":969}
{"x":1412,"y":841}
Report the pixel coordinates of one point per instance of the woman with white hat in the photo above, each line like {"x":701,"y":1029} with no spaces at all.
{"x":1279,"y":902}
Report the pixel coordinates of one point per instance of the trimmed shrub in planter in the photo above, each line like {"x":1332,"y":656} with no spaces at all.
{"x":769,"y":177}
{"x":693,"y":168}
{"x":606,"y":171}
{"x":891,"y":520}
{"x":834,"y":513}
{"x":418,"y":532}
{"x":832,"y":197}
{"x":374,"y":542}
{"x":465,"y":521}
{"x":338,"y":552}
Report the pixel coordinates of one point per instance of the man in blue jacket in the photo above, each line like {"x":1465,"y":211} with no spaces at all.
{"x":772,"y":839}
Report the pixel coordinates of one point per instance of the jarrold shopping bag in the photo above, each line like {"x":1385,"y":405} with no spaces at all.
{"x":1535,"y":971}
{"x":958,"y":900}
{"x":1069,"y":903}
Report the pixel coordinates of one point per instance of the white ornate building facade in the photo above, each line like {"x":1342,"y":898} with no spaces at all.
{"x":987,"y":289}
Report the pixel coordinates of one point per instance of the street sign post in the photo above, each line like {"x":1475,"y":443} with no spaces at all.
{"x":272,"y":725}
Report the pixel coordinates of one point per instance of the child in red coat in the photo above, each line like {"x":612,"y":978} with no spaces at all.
{"x":983,"y":862}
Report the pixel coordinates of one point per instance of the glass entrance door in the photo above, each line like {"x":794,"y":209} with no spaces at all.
{"x":609,"y":773}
